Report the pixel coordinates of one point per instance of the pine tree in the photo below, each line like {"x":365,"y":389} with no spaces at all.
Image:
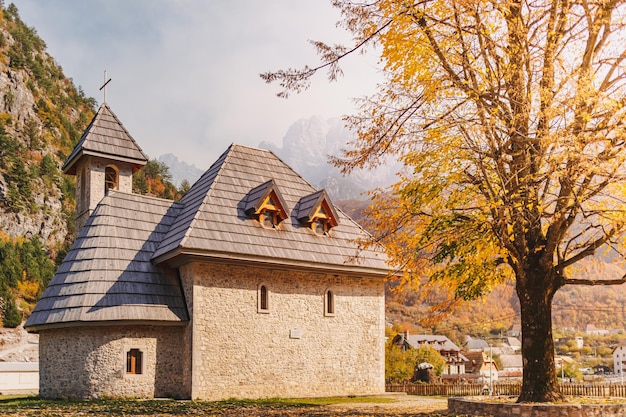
{"x":11,"y":316}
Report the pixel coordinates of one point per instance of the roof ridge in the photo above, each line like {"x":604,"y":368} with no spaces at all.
{"x":218,"y":163}
{"x":119,"y":122}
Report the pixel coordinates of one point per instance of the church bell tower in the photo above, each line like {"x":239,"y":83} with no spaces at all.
{"x":104,"y":159}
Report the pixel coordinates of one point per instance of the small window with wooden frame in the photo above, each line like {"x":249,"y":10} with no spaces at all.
{"x":265,"y":204}
{"x":322,"y":221}
{"x":317,"y":212}
{"x":134,"y":362}
{"x":270,"y":214}
{"x":263,"y":299}
{"x":329,"y":303}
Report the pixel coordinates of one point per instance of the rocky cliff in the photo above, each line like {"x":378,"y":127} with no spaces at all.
{"x":42,"y":115}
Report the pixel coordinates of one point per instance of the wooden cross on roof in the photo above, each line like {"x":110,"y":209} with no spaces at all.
{"x":104,"y":86}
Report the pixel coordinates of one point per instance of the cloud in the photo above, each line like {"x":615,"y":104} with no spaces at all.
{"x":185,"y":73}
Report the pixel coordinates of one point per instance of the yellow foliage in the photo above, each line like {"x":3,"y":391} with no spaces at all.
{"x":5,"y":119}
{"x":501,"y":158}
{"x":4,"y":237}
{"x":28,"y":290}
{"x":509,"y":119}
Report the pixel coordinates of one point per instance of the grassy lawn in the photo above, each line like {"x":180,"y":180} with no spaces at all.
{"x":15,"y":406}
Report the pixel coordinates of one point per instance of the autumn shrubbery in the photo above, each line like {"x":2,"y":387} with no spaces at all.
{"x":400,"y":365}
{"x":25,"y":269}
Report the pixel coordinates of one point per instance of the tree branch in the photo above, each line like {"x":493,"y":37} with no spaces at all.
{"x":298,"y":80}
{"x":576,"y":281}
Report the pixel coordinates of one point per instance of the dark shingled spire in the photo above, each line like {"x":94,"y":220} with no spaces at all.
{"x":106,"y":137}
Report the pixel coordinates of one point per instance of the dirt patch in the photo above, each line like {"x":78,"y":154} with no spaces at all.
{"x":406,"y":405}
{"x":17,"y":345}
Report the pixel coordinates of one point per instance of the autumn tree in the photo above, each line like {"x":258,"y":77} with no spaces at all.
{"x":401,"y":364}
{"x":155,"y":179}
{"x":509,"y":118}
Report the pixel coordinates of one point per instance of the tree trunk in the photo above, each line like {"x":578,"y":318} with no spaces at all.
{"x":536,"y":291}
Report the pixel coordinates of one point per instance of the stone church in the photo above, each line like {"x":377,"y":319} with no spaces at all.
{"x":252,"y":285}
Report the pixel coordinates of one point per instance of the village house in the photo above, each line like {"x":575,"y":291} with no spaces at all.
{"x":515,"y":330}
{"x":455,"y":360}
{"x":514,"y":343}
{"x":475,"y":345}
{"x":619,"y":359}
{"x":593,"y":330}
{"x":512,"y":366}
{"x":247,"y":287}
{"x":481,"y":366}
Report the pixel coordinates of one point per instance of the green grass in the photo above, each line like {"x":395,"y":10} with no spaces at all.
{"x":21,"y":405}
{"x":307,"y":401}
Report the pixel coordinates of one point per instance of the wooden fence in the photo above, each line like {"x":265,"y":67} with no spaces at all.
{"x":506,"y":388}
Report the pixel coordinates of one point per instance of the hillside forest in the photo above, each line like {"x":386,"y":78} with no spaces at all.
{"x":42,"y":117}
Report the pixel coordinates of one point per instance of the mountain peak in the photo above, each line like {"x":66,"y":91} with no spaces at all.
{"x":180,"y":170}
{"x":307,"y":146}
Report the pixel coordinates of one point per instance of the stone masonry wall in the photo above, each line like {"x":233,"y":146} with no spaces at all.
{"x":294,"y":349}
{"x":483,"y":407}
{"x":91,"y":362}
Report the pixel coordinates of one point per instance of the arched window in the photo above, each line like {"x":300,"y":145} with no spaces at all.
{"x":110,"y":179}
{"x":134,"y":359}
{"x":329,"y":303}
{"x":263,"y":305}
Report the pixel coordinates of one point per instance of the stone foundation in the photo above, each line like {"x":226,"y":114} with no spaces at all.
{"x":482,"y":407}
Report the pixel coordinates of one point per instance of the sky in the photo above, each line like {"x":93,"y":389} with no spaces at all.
{"x":185,"y":73}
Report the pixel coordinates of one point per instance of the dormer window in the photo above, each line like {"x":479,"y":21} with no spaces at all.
{"x":266,"y":205}
{"x":316,"y":212}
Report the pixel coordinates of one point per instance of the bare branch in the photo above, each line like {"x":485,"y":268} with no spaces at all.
{"x":575,"y":281}
{"x":294,"y":80}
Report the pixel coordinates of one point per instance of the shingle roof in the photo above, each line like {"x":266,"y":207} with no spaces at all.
{"x":112,"y":273}
{"x":213,"y":222}
{"x":438,"y":342}
{"x":106,"y":137}
{"x":107,"y":274}
{"x":511,"y":361}
{"x":476,"y":360}
{"x":476,"y":344}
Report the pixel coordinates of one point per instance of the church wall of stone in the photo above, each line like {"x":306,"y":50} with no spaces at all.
{"x":187,"y":338}
{"x":80,"y":362}
{"x":293,"y":349}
